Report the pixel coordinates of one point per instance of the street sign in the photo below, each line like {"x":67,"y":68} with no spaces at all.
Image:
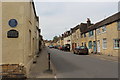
{"x":12,"y":34}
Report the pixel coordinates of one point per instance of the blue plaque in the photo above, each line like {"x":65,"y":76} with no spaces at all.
{"x":13,"y":22}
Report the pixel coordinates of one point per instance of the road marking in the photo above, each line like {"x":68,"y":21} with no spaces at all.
{"x":55,"y":77}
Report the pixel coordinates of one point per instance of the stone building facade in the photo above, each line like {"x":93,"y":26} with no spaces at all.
{"x":20,"y":34}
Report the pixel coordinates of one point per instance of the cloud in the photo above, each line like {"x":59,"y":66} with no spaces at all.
{"x":76,"y":0}
{"x":56,"y":18}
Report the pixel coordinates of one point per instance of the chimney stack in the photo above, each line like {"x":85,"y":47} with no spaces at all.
{"x":88,"y":22}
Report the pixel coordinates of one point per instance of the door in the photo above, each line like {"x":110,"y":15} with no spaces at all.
{"x":94,"y":46}
{"x":75,"y":45}
{"x":98,"y":45}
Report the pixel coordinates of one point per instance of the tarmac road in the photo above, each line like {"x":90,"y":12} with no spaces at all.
{"x":69,"y":65}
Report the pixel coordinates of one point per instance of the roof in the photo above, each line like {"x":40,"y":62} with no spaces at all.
{"x":83,"y":27}
{"x":109,"y":20}
{"x":35,"y":10}
{"x":75,"y":28}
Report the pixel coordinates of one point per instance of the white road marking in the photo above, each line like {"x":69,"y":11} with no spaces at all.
{"x":55,"y":77}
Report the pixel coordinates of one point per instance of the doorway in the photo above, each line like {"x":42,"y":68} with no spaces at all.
{"x":94,"y":46}
{"x":98,"y":46}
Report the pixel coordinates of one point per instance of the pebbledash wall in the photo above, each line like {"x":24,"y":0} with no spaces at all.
{"x":21,"y":18}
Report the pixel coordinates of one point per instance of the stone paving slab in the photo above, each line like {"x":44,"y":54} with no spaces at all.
{"x":113,"y":58}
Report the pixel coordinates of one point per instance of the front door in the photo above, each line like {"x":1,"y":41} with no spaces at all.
{"x":94,"y":46}
{"x":98,"y":45}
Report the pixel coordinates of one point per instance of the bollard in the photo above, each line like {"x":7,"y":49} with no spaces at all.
{"x":49,"y":61}
{"x":49,"y":70}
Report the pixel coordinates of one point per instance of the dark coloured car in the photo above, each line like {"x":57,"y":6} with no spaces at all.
{"x":66,"y":47}
{"x":63,"y":48}
{"x":57,"y":47}
{"x":81,"y":50}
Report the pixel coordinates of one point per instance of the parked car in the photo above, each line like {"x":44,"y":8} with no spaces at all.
{"x":81,"y":50}
{"x":51,"y":46}
{"x":63,"y":48}
{"x":57,"y":47}
{"x":60,"y":47}
{"x":66,"y":47}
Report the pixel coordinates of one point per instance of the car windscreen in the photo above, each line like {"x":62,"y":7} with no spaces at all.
{"x":80,"y":47}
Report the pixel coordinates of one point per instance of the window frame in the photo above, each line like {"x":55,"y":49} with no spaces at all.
{"x":104,"y":43}
{"x":90,"y":45}
{"x":114,"y":44}
{"x":98,"y":31}
{"x":104,"y":28}
{"x":91,"y":33}
{"x":85,"y":35}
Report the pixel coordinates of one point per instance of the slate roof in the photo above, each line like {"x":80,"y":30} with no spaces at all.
{"x":109,"y":20}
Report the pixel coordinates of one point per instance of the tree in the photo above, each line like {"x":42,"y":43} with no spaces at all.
{"x":55,"y":38}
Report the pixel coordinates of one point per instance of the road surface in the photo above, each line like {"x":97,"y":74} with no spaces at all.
{"x":69,"y":65}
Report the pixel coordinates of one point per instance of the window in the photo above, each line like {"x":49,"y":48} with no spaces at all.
{"x":84,"y":34}
{"x":85,"y":44}
{"x":118,"y":25}
{"x":82,"y":44}
{"x":81,"y":35}
{"x":90,"y":44}
{"x":104,"y":29}
{"x":116,"y":43}
{"x":91,"y":33}
{"x":104,"y":43}
{"x":98,"y":31}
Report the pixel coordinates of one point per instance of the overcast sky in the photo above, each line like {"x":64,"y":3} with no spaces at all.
{"x":58,"y":17}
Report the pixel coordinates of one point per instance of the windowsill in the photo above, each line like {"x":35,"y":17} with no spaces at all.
{"x":116,"y":48}
{"x":104,"y":48}
{"x":98,"y":33}
{"x":90,"y":48}
{"x":91,"y":36}
{"x":103,"y":32}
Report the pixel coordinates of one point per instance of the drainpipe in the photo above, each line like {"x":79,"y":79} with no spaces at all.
{"x":96,"y":39}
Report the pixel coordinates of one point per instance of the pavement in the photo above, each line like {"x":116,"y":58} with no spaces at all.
{"x":40,"y":68}
{"x":105,"y":57}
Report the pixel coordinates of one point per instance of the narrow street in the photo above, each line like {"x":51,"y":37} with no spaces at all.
{"x":70,"y":65}
{"x":46,"y":39}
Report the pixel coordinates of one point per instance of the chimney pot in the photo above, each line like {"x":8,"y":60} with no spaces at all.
{"x":88,"y":22}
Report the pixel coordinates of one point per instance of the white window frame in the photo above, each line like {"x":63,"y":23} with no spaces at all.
{"x":104,"y":43}
{"x":104,"y":27}
{"x":98,"y":31}
{"x":115,"y":44}
{"x":92,"y":33}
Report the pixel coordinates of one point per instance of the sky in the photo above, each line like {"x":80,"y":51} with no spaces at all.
{"x":58,"y":17}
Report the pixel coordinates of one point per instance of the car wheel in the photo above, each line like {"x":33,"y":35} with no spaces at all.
{"x":74,"y":53}
{"x":86,"y":53}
